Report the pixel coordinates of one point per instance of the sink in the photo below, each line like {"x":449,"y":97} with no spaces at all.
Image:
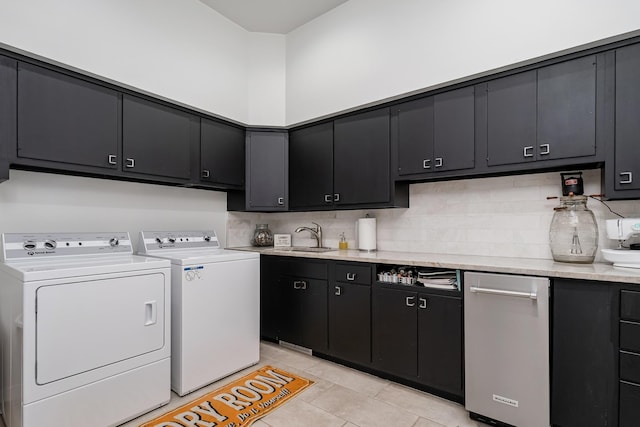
{"x":311,"y":249}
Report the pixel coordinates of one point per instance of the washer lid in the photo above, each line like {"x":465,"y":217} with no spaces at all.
{"x":189,"y":257}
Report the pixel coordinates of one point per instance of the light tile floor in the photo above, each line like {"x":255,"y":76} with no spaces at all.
{"x":340,"y":397}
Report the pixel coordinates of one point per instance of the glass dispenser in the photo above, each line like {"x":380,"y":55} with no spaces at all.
{"x":262,"y":236}
{"x":573,"y":235}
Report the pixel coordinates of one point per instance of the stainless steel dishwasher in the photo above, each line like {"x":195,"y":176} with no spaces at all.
{"x":506,"y":338}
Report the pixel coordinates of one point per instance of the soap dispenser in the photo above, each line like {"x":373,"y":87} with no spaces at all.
{"x":343,"y":244}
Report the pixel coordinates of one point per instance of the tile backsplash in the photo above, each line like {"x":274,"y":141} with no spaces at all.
{"x":498,"y":216}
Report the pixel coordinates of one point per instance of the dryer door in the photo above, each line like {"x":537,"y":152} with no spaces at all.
{"x":87,"y":325}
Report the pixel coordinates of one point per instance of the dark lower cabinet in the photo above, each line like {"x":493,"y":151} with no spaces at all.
{"x":629,"y":404}
{"x":418,"y":336}
{"x":66,"y":120}
{"x":350,"y":312}
{"x":584,"y":354}
{"x":8,"y":96}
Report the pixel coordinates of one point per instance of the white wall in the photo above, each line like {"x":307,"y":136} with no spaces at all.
{"x":178,"y":49}
{"x":368,"y":50}
{"x":267,"y":74}
{"x":504,"y":216}
{"x":40,"y":202}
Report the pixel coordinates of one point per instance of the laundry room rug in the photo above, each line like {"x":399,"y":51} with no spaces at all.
{"x":237,"y":404}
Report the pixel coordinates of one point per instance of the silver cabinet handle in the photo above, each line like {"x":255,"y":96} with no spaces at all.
{"x":131,"y":163}
{"x":327,"y":198}
{"x":112,"y":159}
{"x":528,"y":151}
{"x":423,"y":302}
{"x":532,"y":295}
{"x":438,"y":162}
{"x":628,"y":177}
{"x":426,"y":164}
{"x":336,"y":197}
{"x":351,"y":277}
{"x":338,"y":291}
{"x":281,"y":201}
{"x":206,"y":173}
{"x":544,"y":149}
{"x":299,"y":284}
{"x":410,"y":301}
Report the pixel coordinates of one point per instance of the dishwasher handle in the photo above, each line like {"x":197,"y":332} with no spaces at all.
{"x":531,"y":295}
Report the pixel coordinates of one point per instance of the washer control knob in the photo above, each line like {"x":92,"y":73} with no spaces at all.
{"x":158,"y":240}
{"x":113,"y":242}
{"x":29,"y":245}
{"x":50,"y":244}
{"x":207,"y":238}
{"x":172,"y":239}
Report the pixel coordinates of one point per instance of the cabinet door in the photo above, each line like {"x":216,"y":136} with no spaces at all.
{"x":394,"y":331}
{"x":440,"y":342}
{"x":454,"y":130}
{"x":155,"y":139}
{"x":567,"y":109}
{"x":65,"y":119}
{"x":350,"y":322}
{"x":626,"y":170}
{"x":267,"y":163}
{"x":415,"y":136}
{"x":511,"y":119}
{"x":304,"y":318}
{"x":222,"y":153}
{"x":271,"y":299}
{"x":361,"y":158}
{"x":8,"y":97}
{"x":584,"y":374}
{"x":311,"y":167}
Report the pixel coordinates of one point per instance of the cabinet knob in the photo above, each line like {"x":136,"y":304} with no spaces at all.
{"x":528,"y":151}
{"x":338,"y":291}
{"x":628,"y":177}
{"x":410,"y":301}
{"x":299,"y":284}
{"x":206,"y":173}
{"x":112,"y":159}
{"x":423,"y":303}
{"x":544,"y":149}
{"x":351,"y":277}
{"x":281,"y":201}
{"x":336,"y":197}
{"x":328,"y":198}
{"x":438,"y":162}
{"x":426,"y":164}
{"x":131,"y":163}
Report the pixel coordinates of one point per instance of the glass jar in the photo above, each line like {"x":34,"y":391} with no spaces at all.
{"x":573,"y":235}
{"x":262,"y":236}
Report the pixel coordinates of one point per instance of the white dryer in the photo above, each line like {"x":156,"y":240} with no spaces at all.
{"x":85,"y":330}
{"x":215,"y":306}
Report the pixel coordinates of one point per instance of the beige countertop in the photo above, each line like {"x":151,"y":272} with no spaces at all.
{"x":525,"y":266}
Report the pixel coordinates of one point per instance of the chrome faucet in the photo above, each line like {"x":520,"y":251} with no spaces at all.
{"x":315,"y":232}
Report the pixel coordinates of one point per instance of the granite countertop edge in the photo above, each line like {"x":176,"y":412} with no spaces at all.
{"x":525,"y":266}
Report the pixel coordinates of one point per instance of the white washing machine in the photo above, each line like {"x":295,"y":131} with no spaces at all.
{"x":215,"y":306}
{"x":85,"y":330}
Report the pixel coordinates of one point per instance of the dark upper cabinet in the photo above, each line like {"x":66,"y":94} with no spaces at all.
{"x":8,"y":96}
{"x":222,"y":153}
{"x":543,"y":115}
{"x":622,"y":172}
{"x":311,"y":167}
{"x":361,"y":159}
{"x":584,"y":369}
{"x":267,"y":163}
{"x":156,"y":139}
{"x":66,"y":120}
{"x":436,"y":133}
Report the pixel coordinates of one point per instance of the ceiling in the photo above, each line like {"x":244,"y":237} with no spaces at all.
{"x":272,"y":16}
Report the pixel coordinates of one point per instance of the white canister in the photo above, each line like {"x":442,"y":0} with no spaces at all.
{"x":366,"y":232}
